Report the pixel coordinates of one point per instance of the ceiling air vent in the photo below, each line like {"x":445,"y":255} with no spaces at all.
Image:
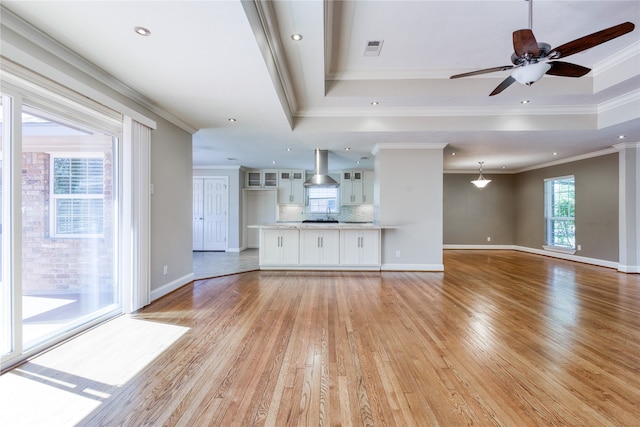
{"x":373,"y":47}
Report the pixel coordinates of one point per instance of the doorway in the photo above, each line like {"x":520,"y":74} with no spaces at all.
{"x":210,"y":206}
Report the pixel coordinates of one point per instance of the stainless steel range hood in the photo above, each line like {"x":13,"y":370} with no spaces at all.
{"x":321,"y":176}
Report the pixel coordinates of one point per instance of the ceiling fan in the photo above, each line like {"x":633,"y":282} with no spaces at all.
{"x":531,"y":59}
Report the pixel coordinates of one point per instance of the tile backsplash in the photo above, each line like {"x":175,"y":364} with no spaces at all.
{"x":360,"y":213}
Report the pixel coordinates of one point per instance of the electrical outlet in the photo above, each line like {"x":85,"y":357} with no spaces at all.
{"x":166,"y":270}
{"x":397,"y":254}
{"x":579,"y":247}
{"x":489,"y":239}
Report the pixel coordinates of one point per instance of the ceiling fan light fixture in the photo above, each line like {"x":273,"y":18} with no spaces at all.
{"x":531,"y":73}
{"x":481,"y":182}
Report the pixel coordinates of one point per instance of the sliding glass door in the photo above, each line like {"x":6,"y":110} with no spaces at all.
{"x":59,"y":252}
{"x":68,"y":225}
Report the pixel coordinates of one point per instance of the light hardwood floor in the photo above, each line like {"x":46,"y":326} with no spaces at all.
{"x":501,"y":338}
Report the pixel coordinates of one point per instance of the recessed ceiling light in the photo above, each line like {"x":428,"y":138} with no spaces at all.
{"x":374,"y":103}
{"x":296,"y":37}
{"x":620,"y":136}
{"x":357,"y":162}
{"x":231,"y":119}
{"x":525,"y":101}
{"x":142,"y":31}
{"x":273,"y":162}
{"x":289,"y":149}
{"x":453,"y":153}
{"x":555,"y":153}
{"x":347,"y":148}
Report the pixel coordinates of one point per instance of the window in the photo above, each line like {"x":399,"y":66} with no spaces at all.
{"x":322,"y":200}
{"x":560,"y":212}
{"x":77,"y":196}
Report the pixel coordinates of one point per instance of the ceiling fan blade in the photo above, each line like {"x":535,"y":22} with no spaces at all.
{"x":565,"y":69}
{"x":485,"y":71}
{"x":502,"y":86}
{"x":587,"y":42}
{"x":525,"y":44}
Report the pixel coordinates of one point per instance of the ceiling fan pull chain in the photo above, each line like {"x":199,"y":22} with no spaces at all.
{"x":530,"y":14}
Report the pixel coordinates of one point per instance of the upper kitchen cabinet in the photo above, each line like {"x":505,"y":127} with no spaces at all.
{"x":262,"y":179}
{"x":356,"y":187}
{"x":291,"y":187}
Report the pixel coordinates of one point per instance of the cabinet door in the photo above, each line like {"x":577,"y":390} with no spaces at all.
{"x":346,"y":189}
{"x":290,"y":188}
{"x":270,"y":179}
{"x":349,"y":247}
{"x":360,"y":247}
{"x":254,"y":179}
{"x":297,"y":187}
{"x":290,"y":250}
{"x":279,"y":247}
{"x":370,"y":247}
{"x":319,"y":247}
{"x":284,"y":188}
{"x":270,"y":249}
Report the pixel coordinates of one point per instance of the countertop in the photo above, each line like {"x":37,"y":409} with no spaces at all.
{"x":328,"y":225}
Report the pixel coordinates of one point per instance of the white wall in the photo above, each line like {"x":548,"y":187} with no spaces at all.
{"x":408,"y":193}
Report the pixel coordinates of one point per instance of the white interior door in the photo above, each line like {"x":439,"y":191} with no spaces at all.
{"x":215,"y":214}
{"x":210,"y":206}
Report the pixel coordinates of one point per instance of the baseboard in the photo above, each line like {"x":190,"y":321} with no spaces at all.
{"x":507,"y":247}
{"x":171,"y":286}
{"x":412,"y":267}
{"x":234,"y":249}
{"x":561,"y":255}
{"x":629,"y":268}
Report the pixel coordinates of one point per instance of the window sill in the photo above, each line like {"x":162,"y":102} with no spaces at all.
{"x":560,"y":249}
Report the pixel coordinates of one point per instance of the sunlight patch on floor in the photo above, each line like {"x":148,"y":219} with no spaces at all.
{"x":72,"y":380}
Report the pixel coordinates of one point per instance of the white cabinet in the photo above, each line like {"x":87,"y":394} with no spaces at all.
{"x":291,"y":187}
{"x":356,"y":187}
{"x":261,"y":179}
{"x":279,"y":247}
{"x":319,"y":247}
{"x":360,"y":247}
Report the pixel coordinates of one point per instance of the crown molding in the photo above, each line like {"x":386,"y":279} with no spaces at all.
{"x":620,"y":101}
{"x":407,"y":146}
{"x":39,"y":38}
{"x":570,"y":159}
{"x":264,"y":24}
{"x":629,"y":52}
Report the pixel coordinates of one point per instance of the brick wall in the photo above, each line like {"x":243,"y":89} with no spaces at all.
{"x":61,"y":265}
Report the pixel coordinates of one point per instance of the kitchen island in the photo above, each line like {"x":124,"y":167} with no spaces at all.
{"x":320,"y":246}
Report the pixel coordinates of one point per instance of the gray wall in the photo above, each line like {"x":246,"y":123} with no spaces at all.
{"x":597,"y":182}
{"x":472,"y":215}
{"x":171,"y":220}
{"x":408,"y":194}
{"x":511,"y":208}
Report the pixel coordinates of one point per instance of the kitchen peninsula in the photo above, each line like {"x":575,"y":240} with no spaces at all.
{"x":320,"y":246}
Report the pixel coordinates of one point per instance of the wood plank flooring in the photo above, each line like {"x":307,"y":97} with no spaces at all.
{"x":501,"y":338}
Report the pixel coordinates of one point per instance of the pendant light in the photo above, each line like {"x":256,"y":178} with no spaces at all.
{"x":481,"y":182}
